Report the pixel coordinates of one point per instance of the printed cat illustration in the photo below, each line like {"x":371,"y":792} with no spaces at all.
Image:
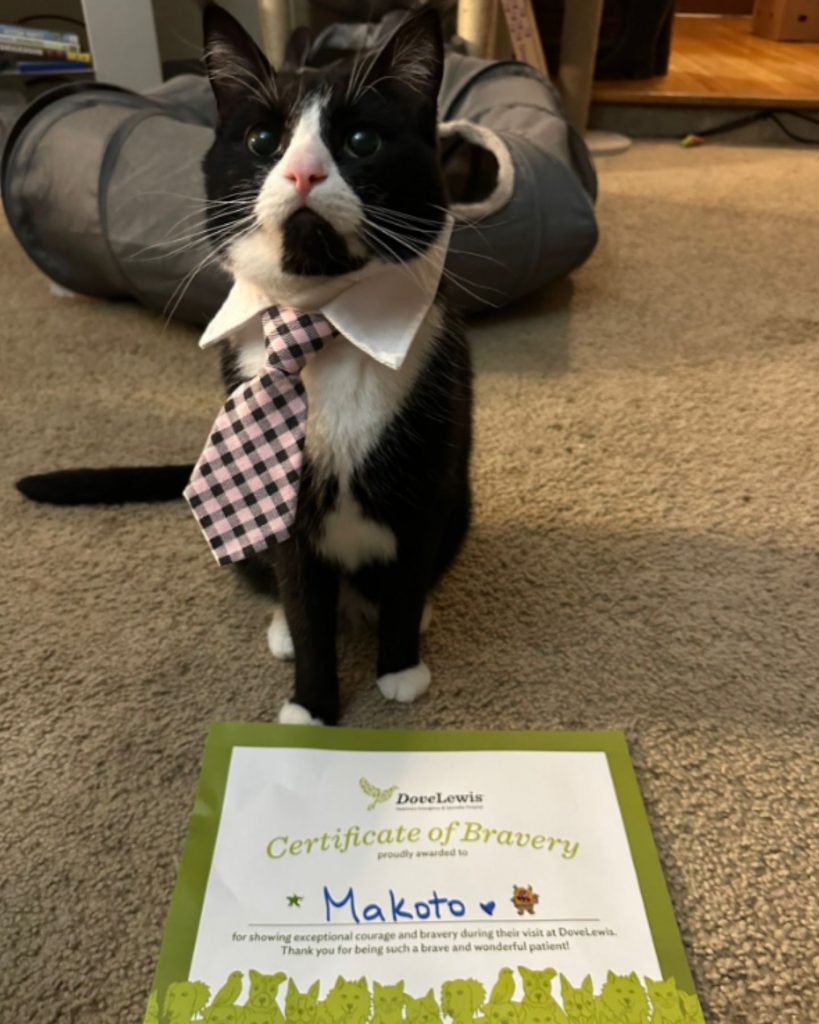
{"x":422,"y":1011}
{"x":665,"y":1001}
{"x":348,"y":1002}
{"x":622,"y":1000}
{"x":692,"y":1013}
{"x":579,"y":1004}
{"x":183,"y":1000}
{"x":301,"y":1008}
{"x":538,"y":1004}
{"x":388,"y":1003}
{"x":261,"y":1006}
{"x":462,"y":999}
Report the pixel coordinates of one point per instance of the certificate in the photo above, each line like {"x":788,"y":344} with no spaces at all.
{"x":345,"y":876}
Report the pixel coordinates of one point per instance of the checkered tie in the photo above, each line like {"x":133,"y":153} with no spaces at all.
{"x":245,"y":486}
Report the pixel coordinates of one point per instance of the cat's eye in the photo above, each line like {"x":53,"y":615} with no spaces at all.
{"x":263,"y":140}
{"x":363,"y":142}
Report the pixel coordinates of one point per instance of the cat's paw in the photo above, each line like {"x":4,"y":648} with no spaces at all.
{"x":294,"y":714}
{"x":407,"y":685}
{"x":278,"y":637}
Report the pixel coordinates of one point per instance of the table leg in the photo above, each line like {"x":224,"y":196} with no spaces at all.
{"x":578,"y":50}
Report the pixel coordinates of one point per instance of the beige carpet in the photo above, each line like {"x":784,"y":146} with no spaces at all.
{"x":645,"y":557}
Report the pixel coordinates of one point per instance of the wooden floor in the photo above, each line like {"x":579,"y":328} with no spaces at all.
{"x":717,"y":61}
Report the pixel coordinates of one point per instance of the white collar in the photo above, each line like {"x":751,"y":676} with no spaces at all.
{"x":380,"y":312}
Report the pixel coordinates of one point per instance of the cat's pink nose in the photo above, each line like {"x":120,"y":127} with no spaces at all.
{"x":304,"y":175}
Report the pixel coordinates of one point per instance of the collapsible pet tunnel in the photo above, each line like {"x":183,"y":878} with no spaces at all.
{"x":103,"y":188}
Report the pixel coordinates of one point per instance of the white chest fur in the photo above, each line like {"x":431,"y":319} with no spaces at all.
{"x":351,"y":399}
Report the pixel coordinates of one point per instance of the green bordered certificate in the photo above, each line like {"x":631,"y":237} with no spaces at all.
{"x":340,"y":876}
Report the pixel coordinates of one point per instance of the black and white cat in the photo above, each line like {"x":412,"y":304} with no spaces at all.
{"x":316,"y":175}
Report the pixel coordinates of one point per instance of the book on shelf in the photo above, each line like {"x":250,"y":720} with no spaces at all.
{"x":67,"y":39}
{"x":357,"y":876}
{"x":50,"y":67}
{"x":44,"y":52}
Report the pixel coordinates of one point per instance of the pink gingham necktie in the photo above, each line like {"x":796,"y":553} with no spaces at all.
{"x":245,"y":486}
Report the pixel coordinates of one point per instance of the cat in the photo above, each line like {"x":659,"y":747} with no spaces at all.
{"x":665,"y":1001}
{"x":347,"y":1002}
{"x":301,"y":1007}
{"x":388,"y":1003}
{"x":315,"y":176}
{"x":692,"y":1011}
{"x":579,"y":1004}
{"x":422,"y":1011}
{"x":622,"y":1000}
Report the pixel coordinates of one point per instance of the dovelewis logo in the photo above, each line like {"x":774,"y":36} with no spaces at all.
{"x":428,"y":801}
{"x":439,"y":799}
{"x":380,"y":796}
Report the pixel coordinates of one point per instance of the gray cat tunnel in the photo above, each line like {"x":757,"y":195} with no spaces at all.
{"x":104,"y":191}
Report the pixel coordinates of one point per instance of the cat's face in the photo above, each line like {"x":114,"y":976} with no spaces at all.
{"x":301,"y":1007}
{"x":315,"y":173}
{"x":578,"y":1002}
{"x":422,"y":1011}
{"x":349,"y":999}
{"x":624,"y":991}
{"x":663,"y":994}
{"x":388,"y":999}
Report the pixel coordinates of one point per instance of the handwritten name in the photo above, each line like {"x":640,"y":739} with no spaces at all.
{"x":393,"y":908}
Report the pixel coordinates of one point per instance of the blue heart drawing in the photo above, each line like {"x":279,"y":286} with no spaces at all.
{"x":488,"y":908}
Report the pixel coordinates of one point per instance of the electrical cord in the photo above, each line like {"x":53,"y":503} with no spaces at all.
{"x":696,"y":138}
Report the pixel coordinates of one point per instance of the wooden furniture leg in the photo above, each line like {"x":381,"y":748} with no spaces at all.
{"x":274,"y":21}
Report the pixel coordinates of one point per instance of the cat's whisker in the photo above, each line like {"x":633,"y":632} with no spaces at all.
{"x":194,"y":239}
{"x":187,"y":281}
{"x":399,"y":220}
{"x":384,"y":251}
{"x":461,"y":282}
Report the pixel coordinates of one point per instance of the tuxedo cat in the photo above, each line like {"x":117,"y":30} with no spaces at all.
{"x":314,"y":176}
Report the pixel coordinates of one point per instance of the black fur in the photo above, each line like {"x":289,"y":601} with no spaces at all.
{"x":106,"y":486}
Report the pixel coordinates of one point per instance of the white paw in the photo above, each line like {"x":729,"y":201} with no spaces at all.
{"x":59,"y":291}
{"x":295,"y":714}
{"x":406,"y":685}
{"x":426,"y":616}
{"x":278,"y":636}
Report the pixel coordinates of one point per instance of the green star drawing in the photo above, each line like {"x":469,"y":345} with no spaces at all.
{"x":294,"y":900}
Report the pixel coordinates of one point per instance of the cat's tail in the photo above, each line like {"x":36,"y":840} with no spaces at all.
{"x":107,"y":486}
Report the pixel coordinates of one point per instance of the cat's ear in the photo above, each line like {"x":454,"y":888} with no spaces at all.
{"x":413,"y":55}
{"x":586,"y":985}
{"x":236,"y":67}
